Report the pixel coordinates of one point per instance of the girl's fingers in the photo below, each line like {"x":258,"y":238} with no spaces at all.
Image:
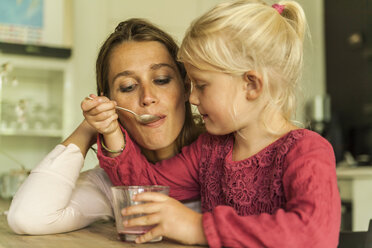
{"x":146,"y":208}
{"x":152,"y":206}
{"x":151,"y":234}
{"x":145,"y":220}
{"x":151,"y":196}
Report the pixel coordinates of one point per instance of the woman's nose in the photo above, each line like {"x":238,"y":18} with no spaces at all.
{"x":148,"y":96}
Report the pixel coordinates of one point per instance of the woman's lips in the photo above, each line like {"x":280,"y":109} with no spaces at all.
{"x":156,"y":123}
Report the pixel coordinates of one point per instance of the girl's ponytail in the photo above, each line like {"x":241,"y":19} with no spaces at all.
{"x":295,"y":15}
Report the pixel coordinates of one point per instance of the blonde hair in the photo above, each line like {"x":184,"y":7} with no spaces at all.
{"x":239,"y":36}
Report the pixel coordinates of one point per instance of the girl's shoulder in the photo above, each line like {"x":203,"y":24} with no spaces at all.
{"x":301,"y":141}
{"x":305,"y":136}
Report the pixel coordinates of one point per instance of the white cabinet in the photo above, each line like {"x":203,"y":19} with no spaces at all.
{"x":355,"y":185}
{"x":32,"y":100}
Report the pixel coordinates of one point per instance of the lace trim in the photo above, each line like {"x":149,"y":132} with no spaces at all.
{"x":250,"y":186}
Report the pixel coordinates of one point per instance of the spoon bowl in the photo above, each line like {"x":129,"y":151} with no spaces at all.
{"x":144,"y":119}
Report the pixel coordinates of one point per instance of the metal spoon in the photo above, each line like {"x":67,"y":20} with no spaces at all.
{"x":144,"y":119}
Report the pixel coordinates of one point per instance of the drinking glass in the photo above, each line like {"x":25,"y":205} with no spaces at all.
{"x":122,"y":197}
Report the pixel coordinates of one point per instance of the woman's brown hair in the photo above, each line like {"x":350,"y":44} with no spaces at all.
{"x":141,"y":30}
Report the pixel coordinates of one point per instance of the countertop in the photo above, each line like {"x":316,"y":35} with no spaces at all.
{"x":354,"y":172}
{"x":98,"y":235}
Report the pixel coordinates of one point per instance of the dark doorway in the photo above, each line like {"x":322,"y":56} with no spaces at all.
{"x":348,"y":33}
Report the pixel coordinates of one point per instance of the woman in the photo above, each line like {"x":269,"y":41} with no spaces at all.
{"x":142,"y":58}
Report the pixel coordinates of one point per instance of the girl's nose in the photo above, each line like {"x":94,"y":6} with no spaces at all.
{"x":194,"y":97}
{"x":148,"y":96}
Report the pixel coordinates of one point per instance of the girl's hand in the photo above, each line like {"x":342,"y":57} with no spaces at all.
{"x":100,"y":113}
{"x":172,"y":219}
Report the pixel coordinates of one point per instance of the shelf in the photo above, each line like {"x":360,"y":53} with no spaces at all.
{"x":31,"y":100}
{"x":354,"y":172}
{"x":33,"y":133}
{"x":35,"y":50}
{"x":32,"y":107}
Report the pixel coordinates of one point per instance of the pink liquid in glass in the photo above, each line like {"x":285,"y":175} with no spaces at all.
{"x":130,"y":234}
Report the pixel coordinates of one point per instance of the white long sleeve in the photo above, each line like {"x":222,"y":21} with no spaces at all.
{"x":57,"y":198}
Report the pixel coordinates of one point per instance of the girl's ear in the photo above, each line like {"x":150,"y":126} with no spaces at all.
{"x":187,"y":83}
{"x":253,"y":85}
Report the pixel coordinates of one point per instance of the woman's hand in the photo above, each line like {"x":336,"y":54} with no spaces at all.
{"x":100,"y":113}
{"x":172,"y":219}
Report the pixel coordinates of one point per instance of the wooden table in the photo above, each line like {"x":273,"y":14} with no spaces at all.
{"x":99,"y":235}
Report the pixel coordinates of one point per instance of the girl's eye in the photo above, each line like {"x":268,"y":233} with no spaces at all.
{"x":199,"y":86}
{"x":162,"y":81}
{"x":127,"y":88}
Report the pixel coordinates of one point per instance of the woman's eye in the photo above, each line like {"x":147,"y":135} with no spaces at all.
{"x":162,"y":81}
{"x":127,"y":88}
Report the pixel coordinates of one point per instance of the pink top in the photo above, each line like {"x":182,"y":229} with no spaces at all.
{"x":286,"y":195}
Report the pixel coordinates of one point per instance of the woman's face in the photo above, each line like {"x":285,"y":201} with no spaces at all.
{"x":144,"y":78}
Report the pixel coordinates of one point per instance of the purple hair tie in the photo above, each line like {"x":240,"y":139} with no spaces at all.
{"x":278,"y":7}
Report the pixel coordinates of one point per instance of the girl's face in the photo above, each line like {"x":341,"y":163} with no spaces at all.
{"x":144,"y":78}
{"x":220,"y":99}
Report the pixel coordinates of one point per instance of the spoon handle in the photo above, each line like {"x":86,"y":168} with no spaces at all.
{"x":130,"y":111}
{"x":117,"y":107}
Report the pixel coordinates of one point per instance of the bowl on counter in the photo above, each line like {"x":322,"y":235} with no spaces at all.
{"x":11,"y":181}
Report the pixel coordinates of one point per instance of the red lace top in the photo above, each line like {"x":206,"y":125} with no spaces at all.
{"x":284,"y":196}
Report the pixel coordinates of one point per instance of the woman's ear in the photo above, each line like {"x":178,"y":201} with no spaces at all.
{"x":187,"y":83}
{"x":253,"y":84}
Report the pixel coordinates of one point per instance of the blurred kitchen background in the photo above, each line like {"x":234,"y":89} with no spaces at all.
{"x":48,"y":50}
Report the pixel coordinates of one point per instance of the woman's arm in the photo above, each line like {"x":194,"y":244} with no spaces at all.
{"x":55,"y":197}
{"x":83,"y":137}
{"x":132,"y":168}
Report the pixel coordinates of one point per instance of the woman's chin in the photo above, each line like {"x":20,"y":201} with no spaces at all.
{"x":156,"y":145}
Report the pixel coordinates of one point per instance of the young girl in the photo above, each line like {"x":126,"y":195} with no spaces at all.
{"x":263,"y":181}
